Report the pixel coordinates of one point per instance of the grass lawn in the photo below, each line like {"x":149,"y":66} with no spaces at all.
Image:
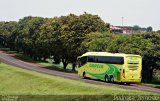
{"x":151,"y":85}
{"x":17,"y":81}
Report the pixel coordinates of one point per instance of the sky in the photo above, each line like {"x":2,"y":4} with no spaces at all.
{"x":134,"y":12}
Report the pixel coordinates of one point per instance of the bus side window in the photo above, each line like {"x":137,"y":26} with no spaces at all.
{"x":91,"y":59}
{"x":106,"y":59}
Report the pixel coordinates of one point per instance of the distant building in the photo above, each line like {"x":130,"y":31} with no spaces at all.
{"x":127,"y":29}
{"x":122,"y":30}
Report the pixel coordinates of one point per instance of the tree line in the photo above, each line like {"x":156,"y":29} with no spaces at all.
{"x":59,"y":37}
{"x":65,"y":38}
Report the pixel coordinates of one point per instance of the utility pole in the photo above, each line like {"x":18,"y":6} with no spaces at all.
{"x":122,"y":21}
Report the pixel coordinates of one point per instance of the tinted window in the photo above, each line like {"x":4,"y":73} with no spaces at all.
{"x":106,"y":59}
{"x":91,"y":59}
{"x":83,"y":60}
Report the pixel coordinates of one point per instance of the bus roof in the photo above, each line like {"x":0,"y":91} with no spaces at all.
{"x":107,"y":54}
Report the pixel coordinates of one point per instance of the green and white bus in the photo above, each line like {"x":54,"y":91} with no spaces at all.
{"x":110,"y":67}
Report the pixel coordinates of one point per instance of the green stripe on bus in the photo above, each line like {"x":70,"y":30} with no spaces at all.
{"x":110,"y":71}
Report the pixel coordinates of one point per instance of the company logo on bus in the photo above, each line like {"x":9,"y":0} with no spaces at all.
{"x":96,"y":65}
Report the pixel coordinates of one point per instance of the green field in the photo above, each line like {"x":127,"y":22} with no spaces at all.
{"x":16,"y":81}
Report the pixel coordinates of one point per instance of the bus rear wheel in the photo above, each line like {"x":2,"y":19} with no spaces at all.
{"x":112,"y":79}
{"x":106,"y":79}
{"x":128,"y":83}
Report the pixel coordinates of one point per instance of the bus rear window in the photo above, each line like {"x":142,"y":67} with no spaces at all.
{"x":133,"y":62}
{"x":106,"y":59}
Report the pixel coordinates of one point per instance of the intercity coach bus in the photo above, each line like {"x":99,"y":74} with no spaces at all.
{"x":110,"y":67}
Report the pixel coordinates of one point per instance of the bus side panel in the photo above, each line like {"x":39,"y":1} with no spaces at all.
{"x":100,"y":70}
{"x":81,"y":70}
{"x":115,"y":72}
{"x":97,"y":70}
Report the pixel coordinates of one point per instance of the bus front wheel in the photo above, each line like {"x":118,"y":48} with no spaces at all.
{"x":84,"y":75}
{"x":106,"y":78}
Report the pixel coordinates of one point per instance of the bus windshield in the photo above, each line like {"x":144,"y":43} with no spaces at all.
{"x":82,"y":61}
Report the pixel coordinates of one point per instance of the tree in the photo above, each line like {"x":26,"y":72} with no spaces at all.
{"x":152,"y":56}
{"x":49,"y":42}
{"x":158,"y":31}
{"x":28,"y":30}
{"x":6,"y":30}
{"x":97,"y":41}
{"x":135,"y":28}
{"x":73,"y":30}
{"x":149,"y":29}
{"x":106,"y":41}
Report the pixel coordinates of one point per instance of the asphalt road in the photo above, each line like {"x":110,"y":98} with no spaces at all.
{"x":9,"y":59}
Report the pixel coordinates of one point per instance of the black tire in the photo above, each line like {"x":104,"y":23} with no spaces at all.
{"x":112,"y":79}
{"x":121,"y":83}
{"x":106,"y":79}
{"x":84,"y":75}
{"x":128,"y":83}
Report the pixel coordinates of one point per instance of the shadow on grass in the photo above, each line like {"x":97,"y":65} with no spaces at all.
{"x":4,"y":49}
{"x":59,"y":69}
{"x":157,"y":87}
{"x":155,"y":84}
{"x":23,"y":57}
{"x":151,"y":85}
{"x":26,"y":58}
{"x":52,"y":67}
